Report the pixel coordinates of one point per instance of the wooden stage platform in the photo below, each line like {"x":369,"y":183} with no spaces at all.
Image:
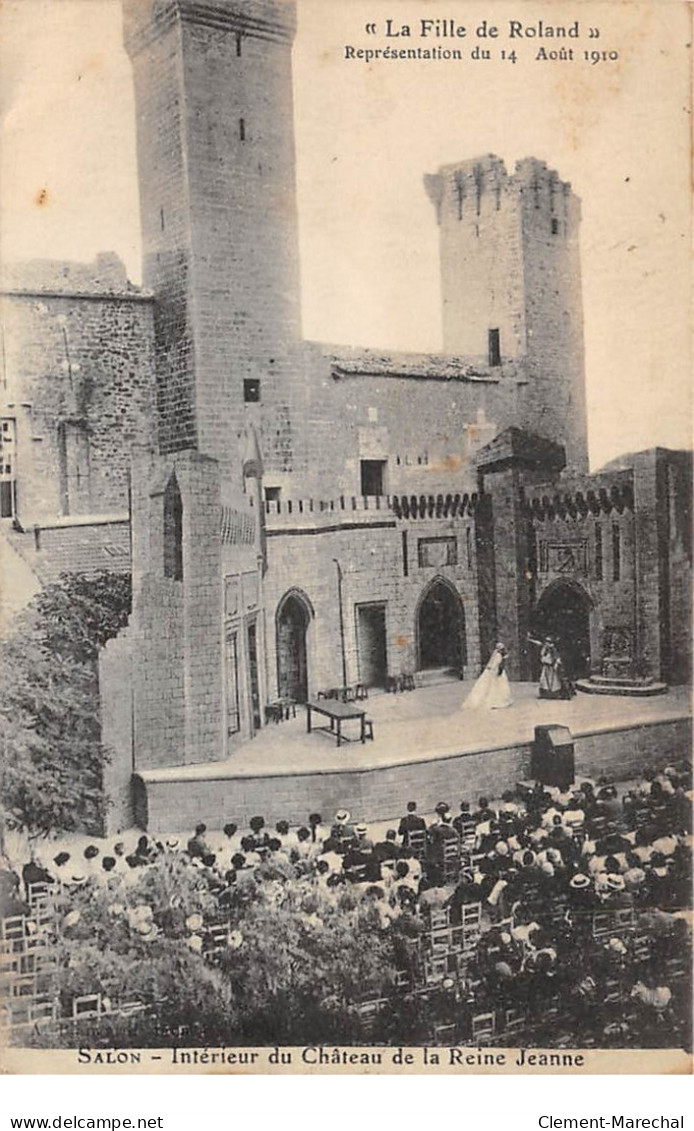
{"x":425,"y":748}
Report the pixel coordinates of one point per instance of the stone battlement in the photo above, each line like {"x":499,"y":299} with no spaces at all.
{"x":471,"y":188}
{"x":367,"y":509}
{"x":582,"y":499}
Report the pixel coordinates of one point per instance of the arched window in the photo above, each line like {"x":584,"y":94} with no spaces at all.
{"x":173,"y":531}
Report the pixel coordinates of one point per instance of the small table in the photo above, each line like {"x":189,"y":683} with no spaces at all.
{"x":337,"y":712}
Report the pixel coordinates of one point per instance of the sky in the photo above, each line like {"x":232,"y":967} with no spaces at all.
{"x":365,"y":135}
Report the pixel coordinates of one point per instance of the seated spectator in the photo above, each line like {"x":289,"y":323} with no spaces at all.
{"x":467,"y":890}
{"x":62,"y":865}
{"x":484,"y":813}
{"x":197,"y":845}
{"x":342,"y":829}
{"x":260,"y":837}
{"x":387,"y":849}
{"x":608,"y":803}
{"x":411,"y":822}
{"x":362,"y":839}
{"x":360,"y":865}
{"x":11,"y":904}
{"x":34,"y":873}
{"x":405,"y":877}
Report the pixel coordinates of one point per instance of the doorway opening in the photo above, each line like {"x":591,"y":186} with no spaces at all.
{"x":441,"y":640}
{"x":292,"y":621}
{"x":563,"y":612}
{"x":371,"y":643}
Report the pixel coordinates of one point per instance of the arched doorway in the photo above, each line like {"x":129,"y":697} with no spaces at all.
{"x":563,"y":612}
{"x":293,"y":618}
{"x":441,"y":639}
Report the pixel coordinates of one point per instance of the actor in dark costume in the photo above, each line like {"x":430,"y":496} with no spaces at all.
{"x":554,"y":680}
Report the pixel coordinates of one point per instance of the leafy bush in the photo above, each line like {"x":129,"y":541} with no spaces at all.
{"x":50,"y":730}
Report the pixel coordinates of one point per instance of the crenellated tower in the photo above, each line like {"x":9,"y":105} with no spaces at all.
{"x":217,"y":188}
{"x":511,"y":284}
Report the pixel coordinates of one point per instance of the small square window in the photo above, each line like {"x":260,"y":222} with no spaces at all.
{"x":251,"y":390}
{"x":373,"y":473}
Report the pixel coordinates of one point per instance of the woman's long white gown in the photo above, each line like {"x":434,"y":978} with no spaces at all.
{"x":492,"y":690}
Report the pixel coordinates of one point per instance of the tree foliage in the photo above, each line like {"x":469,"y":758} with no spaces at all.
{"x":50,"y":730}
{"x":297,"y":959}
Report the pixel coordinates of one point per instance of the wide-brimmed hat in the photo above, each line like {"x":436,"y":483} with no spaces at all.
{"x":361,"y":830}
{"x":615,"y":882}
{"x":342,"y":816}
{"x":579,"y":881}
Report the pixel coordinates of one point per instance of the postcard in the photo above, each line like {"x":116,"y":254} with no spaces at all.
{"x":345,"y":492}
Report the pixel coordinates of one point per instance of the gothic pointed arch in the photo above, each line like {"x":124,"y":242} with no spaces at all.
{"x":563,"y":611}
{"x":440,"y":627}
{"x":293,"y":617}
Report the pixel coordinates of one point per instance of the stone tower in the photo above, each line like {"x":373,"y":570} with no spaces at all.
{"x":217,"y":187}
{"x":511,"y":285}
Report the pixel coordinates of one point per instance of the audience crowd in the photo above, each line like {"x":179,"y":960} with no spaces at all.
{"x":549,"y":917}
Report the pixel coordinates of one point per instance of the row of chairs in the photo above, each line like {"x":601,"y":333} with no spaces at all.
{"x":350,"y":694}
{"x":27,"y":960}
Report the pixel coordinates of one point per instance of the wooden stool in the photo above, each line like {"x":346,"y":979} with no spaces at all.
{"x":361,"y":692}
{"x":274,"y":712}
{"x":288,"y":705}
{"x":368,"y":729}
{"x":407,"y":681}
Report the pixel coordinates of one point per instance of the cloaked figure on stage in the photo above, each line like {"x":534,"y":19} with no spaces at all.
{"x":554,"y":679}
{"x":492,"y":690}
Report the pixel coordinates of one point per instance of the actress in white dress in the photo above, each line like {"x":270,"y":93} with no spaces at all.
{"x":492,"y":690}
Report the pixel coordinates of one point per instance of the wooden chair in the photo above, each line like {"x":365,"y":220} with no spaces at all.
{"x":86,"y":1005}
{"x":471,"y":925}
{"x":436,"y":968}
{"x":515,"y":1020}
{"x":468,"y":834}
{"x":641,"y":948}
{"x":39,"y":893}
{"x":273,"y":713}
{"x":676,"y":969}
{"x":13,"y":928}
{"x":41,"y":1010}
{"x":445,"y":1033}
{"x":438,"y":919}
{"x":415,"y":840}
{"x":482,"y":1028}
{"x":403,"y":980}
{"x":450,"y":860}
{"x":369,"y":1011}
